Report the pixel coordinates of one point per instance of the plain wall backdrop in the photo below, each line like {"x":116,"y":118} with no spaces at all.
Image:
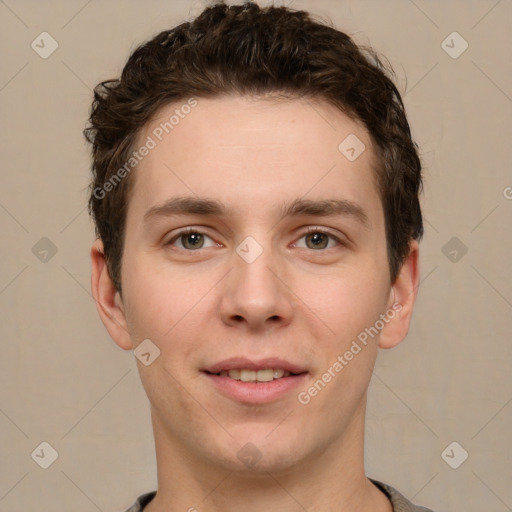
{"x":64,"y":382}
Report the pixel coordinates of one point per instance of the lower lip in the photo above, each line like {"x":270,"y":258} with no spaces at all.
{"x":256,"y":392}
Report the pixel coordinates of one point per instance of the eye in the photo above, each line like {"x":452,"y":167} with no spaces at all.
{"x":319,"y":239}
{"x":190,"y":239}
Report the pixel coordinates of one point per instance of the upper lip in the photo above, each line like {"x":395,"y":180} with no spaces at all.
{"x":243,"y":363}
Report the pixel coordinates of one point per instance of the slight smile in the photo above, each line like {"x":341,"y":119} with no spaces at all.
{"x":255,"y":382}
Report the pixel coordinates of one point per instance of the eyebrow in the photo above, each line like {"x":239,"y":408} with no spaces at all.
{"x":188,"y":205}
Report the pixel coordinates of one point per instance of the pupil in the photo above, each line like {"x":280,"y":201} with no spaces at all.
{"x":191,"y":240}
{"x":318,"y":240}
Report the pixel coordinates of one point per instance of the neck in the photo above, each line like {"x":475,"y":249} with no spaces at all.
{"x":333,"y":478}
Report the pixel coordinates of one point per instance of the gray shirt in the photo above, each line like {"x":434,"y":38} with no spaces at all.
{"x":399,"y":502}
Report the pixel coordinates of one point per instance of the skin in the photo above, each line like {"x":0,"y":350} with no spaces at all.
{"x":295,"y":301}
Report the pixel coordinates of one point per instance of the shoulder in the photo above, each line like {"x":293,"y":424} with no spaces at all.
{"x":399,"y":501}
{"x":141,"y":502}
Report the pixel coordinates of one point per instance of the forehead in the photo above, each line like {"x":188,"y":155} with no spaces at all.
{"x":249,"y":150}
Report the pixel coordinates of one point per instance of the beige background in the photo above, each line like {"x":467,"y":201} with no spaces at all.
{"x":63,"y":381}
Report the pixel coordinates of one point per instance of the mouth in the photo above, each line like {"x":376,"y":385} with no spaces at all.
{"x":255,"y":382}
{"x":246,"y":375}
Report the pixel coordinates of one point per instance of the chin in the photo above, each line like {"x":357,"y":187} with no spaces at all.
{"x":254,"y":453}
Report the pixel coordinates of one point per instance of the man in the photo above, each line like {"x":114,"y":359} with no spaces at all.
{"x":255,"y":193}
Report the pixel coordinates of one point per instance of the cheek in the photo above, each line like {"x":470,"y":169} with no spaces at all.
{"x":348,"y":302}
{"x":165,"y":305}
{"x":349,"y":307}
{"x":153,"y":305}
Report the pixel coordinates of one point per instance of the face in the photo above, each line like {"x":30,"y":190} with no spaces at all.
{"x":255,"y":249}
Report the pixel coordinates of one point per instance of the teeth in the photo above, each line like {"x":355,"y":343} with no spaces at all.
{"x":266,"y":375}
{"x":248,"y":375}
{"x":234,"y":374}
{"x":278,"y":373}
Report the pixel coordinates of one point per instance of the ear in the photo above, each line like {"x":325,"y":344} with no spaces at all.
{"x":108,"y":301}
{"x":401,"y":300}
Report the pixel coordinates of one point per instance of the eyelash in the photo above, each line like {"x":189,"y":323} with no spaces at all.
{"x":310,"y":230}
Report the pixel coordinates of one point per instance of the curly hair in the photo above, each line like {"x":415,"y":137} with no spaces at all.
{"x":249,"y":50}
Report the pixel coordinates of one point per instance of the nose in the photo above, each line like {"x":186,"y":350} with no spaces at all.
{"x":256,"y":294}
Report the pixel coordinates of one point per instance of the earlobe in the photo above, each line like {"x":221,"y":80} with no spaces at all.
{"x":108,"y":300}
{"x":402,"y":298}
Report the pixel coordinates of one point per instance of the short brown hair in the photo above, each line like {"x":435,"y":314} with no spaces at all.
{"x":245,"y":49}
